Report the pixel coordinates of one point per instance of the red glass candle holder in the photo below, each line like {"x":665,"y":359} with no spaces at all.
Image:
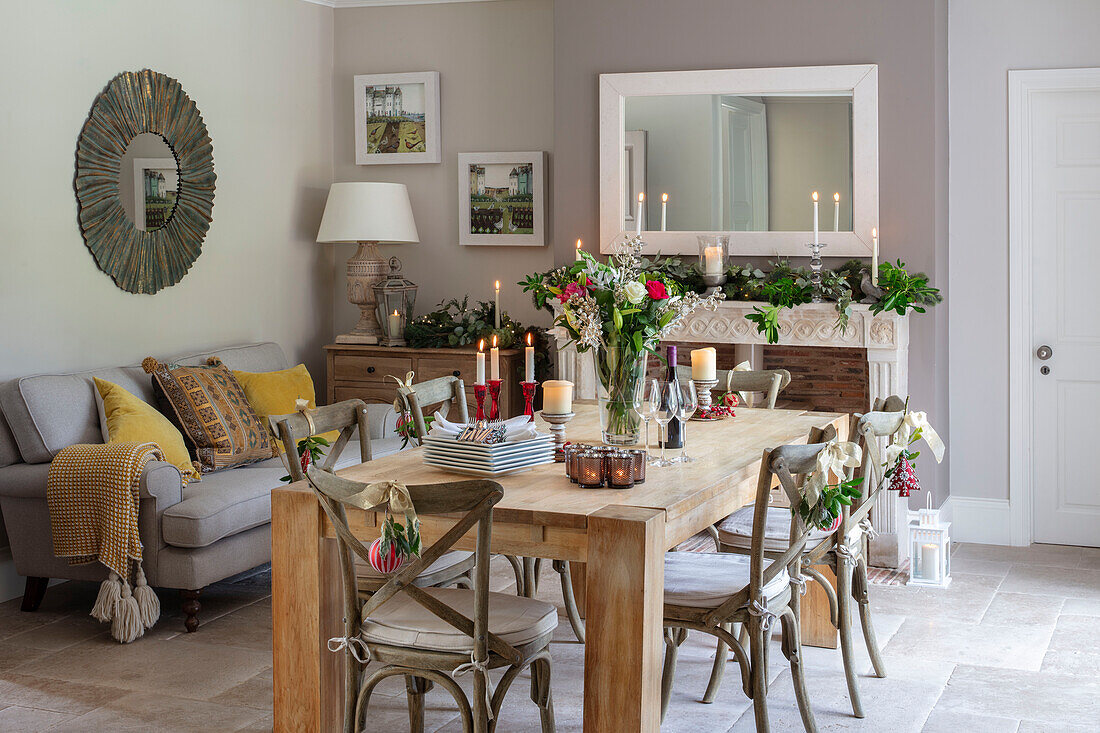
{"x":494,"y":395}
{"x":529,"y":399}
{"x":479,"y":395}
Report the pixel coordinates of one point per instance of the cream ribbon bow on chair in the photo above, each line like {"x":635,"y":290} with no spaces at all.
{"x":746,"y":398}
{"x":913,"y":421}
{"x":832,"y":460}
{"x":302,"y":406}
{"x":408,"y":383}
{"x":381,"y":492}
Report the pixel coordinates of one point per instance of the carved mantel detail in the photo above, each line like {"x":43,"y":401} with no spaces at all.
{"x":885,"y":337}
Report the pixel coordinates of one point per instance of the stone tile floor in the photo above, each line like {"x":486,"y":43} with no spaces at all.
{"x":1012,"y":645}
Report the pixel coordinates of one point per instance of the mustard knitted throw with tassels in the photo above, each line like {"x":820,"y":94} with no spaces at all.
{"x":92,"y":492}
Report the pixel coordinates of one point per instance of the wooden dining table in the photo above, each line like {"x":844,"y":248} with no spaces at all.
{"x":615,"y":540}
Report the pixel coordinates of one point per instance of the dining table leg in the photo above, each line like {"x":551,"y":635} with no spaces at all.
{"x":578,"y":577}
{"x":625,"y":609}
{"x":306,"y":612}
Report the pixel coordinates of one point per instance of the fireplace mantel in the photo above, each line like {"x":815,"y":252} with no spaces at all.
{"x":884,"y":336}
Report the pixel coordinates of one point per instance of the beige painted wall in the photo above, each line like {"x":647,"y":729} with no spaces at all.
{"x":260,"y":72}
{"x":907,"y":41}
{"x":809,"y":147}
{"x":495,"y":62}
{"x":680,"y":156}
{"x":266,"y":98}
{"x":987,"y":38}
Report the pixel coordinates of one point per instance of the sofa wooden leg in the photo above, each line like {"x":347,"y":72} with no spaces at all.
{"x":191,"y":608}
{"x":33,"y":593}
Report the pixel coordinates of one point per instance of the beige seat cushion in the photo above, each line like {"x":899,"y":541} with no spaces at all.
{"x":736,"y":530}
{"x":707,"y":579}
{"x":457,"y":560}
{"x":401,"y":621}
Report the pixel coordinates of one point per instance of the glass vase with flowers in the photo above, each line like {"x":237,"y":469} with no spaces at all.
{"x":619,"y":312}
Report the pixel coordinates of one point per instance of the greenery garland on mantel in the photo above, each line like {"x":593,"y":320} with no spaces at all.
{"x":778,"y":287}
{"x":456,"y":323}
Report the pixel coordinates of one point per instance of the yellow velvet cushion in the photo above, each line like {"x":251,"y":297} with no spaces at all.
{"x":275,"y":393}
{"x":130,"y":419}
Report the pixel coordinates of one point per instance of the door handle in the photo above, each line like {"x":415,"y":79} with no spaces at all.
{"x":1044,"y":352}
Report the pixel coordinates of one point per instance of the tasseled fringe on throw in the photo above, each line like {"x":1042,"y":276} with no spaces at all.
{"x":129,"y":611}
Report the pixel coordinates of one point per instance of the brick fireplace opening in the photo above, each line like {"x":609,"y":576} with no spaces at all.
{"x":823,"y":378}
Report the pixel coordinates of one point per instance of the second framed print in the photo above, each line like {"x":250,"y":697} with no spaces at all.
{"x":397,"y":118}
{"x":502,"y":199}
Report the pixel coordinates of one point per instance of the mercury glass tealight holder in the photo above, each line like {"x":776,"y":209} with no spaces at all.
{"x":640,"y":457}
{"x":557,"y":429}
{"x":590,"y":470}
{"x":620,"y":471}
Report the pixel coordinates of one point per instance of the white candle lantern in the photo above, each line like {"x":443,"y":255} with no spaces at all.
{"x":929,"y":550}
{"x":713,"y":249}
{"x":394,"y":295}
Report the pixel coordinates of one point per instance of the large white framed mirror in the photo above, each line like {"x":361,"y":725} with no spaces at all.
{"x":739,"y":152}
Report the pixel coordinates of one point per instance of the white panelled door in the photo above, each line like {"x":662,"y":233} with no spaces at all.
{"x":1064,"y":228}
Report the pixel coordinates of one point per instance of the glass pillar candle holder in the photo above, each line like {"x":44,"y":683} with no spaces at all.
{"x":713,"y":249}
{"x":590,"y":470}
{"x":620,"y":471}
{"x":641,"y":458}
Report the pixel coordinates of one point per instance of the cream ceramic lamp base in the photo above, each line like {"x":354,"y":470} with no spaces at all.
{"x":365,"y":268}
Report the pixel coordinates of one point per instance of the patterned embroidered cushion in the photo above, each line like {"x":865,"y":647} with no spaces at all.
{"x":212,"y":412}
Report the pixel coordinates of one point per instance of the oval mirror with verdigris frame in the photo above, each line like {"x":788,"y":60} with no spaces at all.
{"x":144,"y":181}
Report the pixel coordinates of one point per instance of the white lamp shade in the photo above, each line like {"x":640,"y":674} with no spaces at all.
{"x":368,"y":212}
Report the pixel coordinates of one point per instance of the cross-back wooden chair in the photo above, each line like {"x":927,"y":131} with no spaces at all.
{"x":453,"y":568}
{"x":845,"y":550}
{"x":448,"y":390}
{"x":710,"y":592}
{"x":431,"y":635}
{"x":771,"y":382}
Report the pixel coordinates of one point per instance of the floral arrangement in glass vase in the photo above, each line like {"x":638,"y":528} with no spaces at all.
{"x":620,"y":312}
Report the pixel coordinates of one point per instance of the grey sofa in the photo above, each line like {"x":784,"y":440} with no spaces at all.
{"x":193,"y":536}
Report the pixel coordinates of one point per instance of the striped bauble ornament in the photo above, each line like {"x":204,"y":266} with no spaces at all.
{"x":385,"y":564}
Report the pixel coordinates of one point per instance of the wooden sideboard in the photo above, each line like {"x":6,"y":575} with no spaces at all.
{"x":363,"y":372}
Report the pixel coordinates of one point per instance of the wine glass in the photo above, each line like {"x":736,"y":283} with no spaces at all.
{"x":686,"y":406}
{"x":664,"y":397}
{"x":645,"y":406}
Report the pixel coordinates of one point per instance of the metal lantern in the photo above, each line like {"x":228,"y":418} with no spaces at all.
{"x":929,"y":550}
{"x":395,"y":297}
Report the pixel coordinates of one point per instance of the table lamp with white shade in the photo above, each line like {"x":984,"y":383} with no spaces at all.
{"x":368,"y":213}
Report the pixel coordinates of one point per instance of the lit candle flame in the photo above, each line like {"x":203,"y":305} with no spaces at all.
{"x":814,"y":196}
{"x":481,"y":345}
{"x":578,"y":244}
{"x":497,"y":285}
{"x":641,"y":197}
{"x":874,"y":233}
{"x":664,"y":198}
{"x":836,"y":197}
{"x":529,"y":339}
{"x":494,"y":340}
{"x":395,"y":311}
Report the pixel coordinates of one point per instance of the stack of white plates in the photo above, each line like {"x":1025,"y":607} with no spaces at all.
{"x":480,"y":459}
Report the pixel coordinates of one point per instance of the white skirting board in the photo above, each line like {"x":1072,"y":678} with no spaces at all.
{"x":984,"y":521}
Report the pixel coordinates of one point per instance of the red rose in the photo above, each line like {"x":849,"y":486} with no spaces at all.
{"x":656,"y":289}
{"x":570,"y":290}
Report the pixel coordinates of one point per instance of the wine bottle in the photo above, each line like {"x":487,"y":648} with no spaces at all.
{"x":674,"y":431}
